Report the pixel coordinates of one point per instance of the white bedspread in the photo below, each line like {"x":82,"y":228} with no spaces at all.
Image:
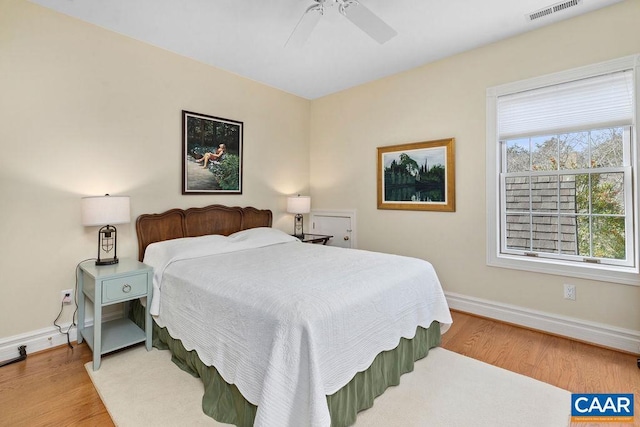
{"x":288,"y":322}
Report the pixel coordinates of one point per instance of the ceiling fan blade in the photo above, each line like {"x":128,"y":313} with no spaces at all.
{"x":305,"y":26}
{"x":367,"y":21}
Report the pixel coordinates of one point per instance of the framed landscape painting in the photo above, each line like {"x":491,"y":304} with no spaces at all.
{"x":417,"y":176}
{"x":211,"y":154}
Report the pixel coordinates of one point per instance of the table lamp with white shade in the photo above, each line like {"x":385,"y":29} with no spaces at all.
{"x":299,"y":205}
{"x":106,"y":211}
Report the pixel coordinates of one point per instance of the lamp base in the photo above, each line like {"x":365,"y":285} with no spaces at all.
{"x":108,"y":261}
{"x":298,"y":226}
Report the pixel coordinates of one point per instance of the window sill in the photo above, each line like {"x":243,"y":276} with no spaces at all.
{"x":622,"y":275}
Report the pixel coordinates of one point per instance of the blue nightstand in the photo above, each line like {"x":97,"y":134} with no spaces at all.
{"x":104,"y":285}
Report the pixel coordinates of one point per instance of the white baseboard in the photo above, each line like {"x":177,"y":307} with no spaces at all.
{"x":597,"y":333}
{"x":44,"y":339}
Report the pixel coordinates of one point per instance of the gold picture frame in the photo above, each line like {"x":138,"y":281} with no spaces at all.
{"x":417,"y":176}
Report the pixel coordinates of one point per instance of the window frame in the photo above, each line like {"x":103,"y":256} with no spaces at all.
{"x":625,"y":169}
{"x":625,"y":274}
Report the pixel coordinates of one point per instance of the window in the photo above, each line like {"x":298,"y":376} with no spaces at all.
{"x":561,"y":173}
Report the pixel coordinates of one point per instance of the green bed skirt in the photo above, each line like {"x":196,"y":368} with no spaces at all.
{"x":224,"y":402}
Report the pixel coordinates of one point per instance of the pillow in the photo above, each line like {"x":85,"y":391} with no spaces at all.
{"x":263,"y":235}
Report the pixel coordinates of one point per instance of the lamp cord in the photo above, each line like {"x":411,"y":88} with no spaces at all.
{"x":75,"y":311}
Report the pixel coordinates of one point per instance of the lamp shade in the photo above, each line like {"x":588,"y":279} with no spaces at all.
{"x":299,"y":204}
{"x":105,"y":210}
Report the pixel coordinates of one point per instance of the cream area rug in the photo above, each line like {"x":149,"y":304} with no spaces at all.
{"x":141,"y":388}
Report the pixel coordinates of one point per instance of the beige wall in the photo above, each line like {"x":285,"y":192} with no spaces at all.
{"x":447,"y":99}
{"x":85,"y":111}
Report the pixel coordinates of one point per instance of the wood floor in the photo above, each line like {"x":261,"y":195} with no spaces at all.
{"x":52,"y":388}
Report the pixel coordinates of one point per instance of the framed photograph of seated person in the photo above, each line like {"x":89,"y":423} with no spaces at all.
{"x":211,"y":154}
{"x":417,"y":176}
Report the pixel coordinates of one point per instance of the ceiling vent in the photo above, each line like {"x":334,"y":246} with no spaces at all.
{"x":550,"y":10}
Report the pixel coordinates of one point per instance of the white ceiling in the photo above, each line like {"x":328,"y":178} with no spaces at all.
{"x":247,"y":37}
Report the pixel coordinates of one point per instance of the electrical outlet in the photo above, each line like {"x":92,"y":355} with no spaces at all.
{"x":570,"y":292}
{"x":66,"y":296}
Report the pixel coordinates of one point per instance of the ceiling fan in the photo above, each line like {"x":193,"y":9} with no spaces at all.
{"x":353,"y":10}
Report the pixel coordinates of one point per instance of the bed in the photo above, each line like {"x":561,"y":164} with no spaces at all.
{"x":283,"y":332}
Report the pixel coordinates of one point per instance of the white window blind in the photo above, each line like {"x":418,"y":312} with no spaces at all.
{"x":602,"y":101}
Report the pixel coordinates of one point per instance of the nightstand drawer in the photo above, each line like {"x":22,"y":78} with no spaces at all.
{"x":124,"y":288}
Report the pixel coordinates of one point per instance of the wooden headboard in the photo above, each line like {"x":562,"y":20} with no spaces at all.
{"x":193,"y":222}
